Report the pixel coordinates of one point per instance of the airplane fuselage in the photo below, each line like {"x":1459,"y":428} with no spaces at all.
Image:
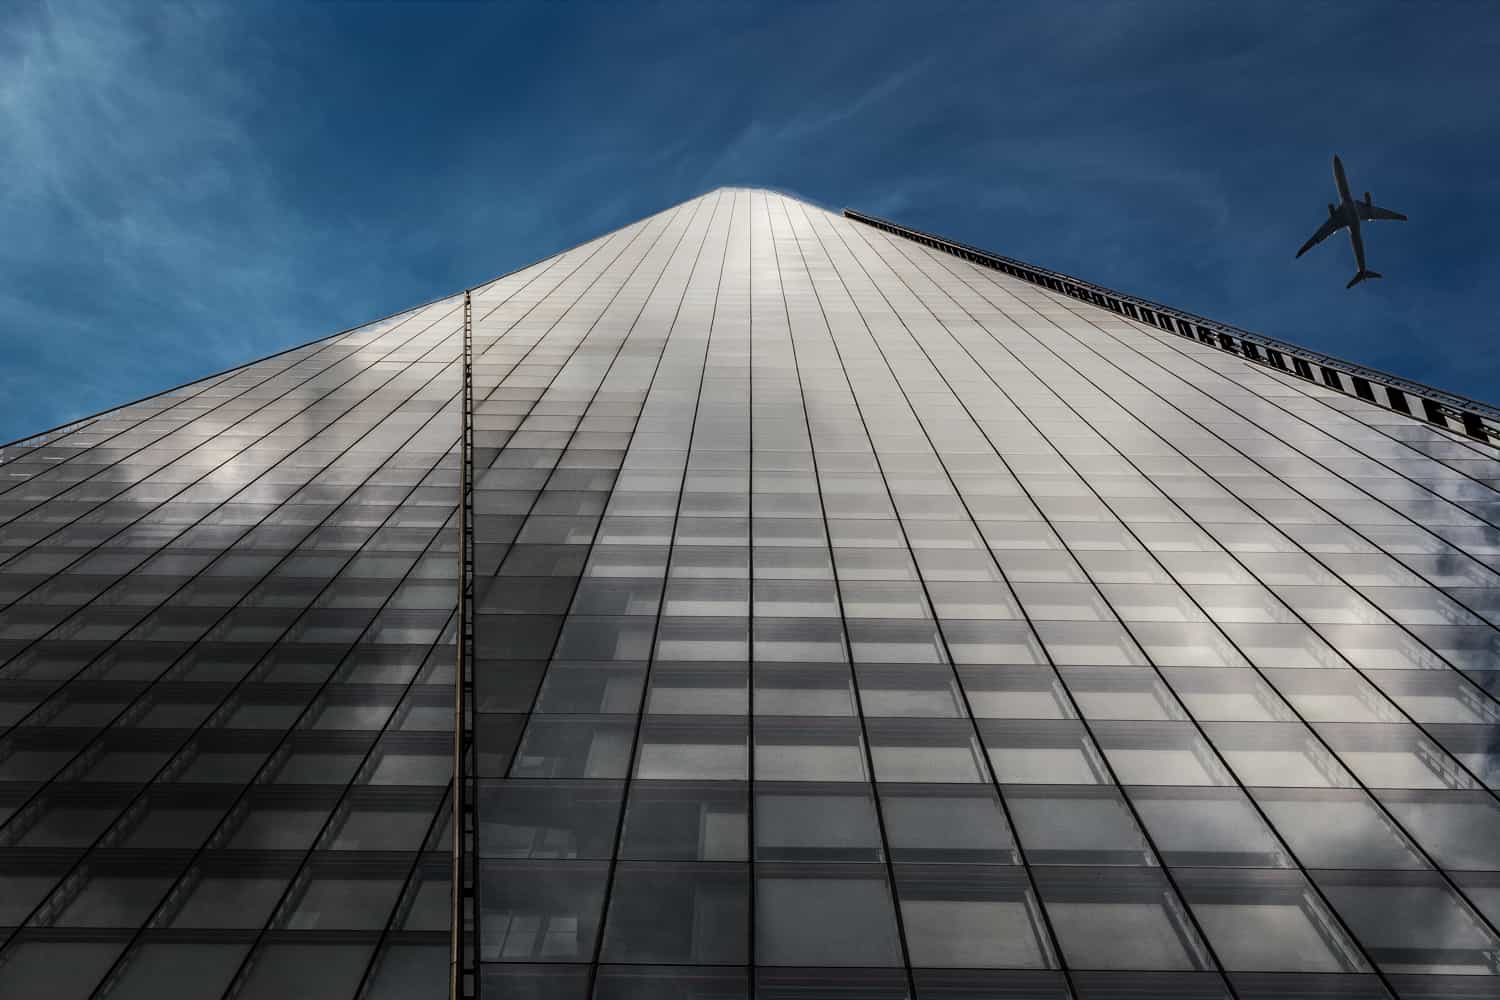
{"x":1348,"y":213}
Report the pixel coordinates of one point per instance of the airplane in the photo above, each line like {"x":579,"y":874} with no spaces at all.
{"x":1349,"y":213}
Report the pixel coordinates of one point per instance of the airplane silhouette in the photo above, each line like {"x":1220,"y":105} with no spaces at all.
{"x":1348,"y":214}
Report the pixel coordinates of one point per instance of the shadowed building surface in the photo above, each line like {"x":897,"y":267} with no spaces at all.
{"x":851,"y":619}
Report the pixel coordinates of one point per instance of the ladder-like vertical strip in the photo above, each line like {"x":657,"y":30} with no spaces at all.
{"x":463,"y":968}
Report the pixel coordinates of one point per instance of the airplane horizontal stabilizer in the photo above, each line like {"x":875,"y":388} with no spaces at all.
{"x":1361,"y":276}
{"x":1374,"y":213}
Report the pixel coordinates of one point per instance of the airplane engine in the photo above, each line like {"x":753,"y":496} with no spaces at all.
{"x":1332,"y":212}
{"x":1367,"y":197}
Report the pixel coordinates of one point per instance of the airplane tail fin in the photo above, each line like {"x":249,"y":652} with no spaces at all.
{"x":1361,"y":276}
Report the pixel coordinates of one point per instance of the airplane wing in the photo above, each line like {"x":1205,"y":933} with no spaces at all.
{"x":1374,"y":213}
{"x":1326,"y":230}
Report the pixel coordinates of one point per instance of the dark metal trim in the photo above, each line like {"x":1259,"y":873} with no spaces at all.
{"x":463,"y":973}
{"x":1459,"y":414}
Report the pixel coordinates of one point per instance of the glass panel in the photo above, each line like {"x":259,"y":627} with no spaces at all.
{"x":925,"y":750}
{"x":937,"y":823}
{"x":1336,"y":828}
{"x":825,"y":750}
{"x":542,"y":820}
{"x":1119,"y":919}
{"x":1069,"y":825}
{"x":105,"y":900}
{"x":568,"y":747}
{"x":540,"y":911}
{"x":1159,"y":753}
{"x":371,"y":826}
{"x":961,"y":916}
{"x":1268,"y":921}
{"x":824,"y":915}
{"x":410,"y":972}
{"x":1410,"y":922}
{"x":283,"y":971}
{"x":1042,"y":753}
{"x":1460,"y":829}
{"x":669,"y":820}
{"x":189,"y":971}
{"x":62,"y":969}
{"x":215,"y":898}
{"x":1209,"y":827}
{"x":675,"y":913}
{"x":693,"y":748}
{"x":333,"y":900}
{"x":269,"y":826}
{"x":815,"y":822}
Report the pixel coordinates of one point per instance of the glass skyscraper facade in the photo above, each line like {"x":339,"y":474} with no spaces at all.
{"x":852,"y":618}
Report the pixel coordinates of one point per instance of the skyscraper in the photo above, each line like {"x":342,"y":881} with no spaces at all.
{"x":851,"y":613}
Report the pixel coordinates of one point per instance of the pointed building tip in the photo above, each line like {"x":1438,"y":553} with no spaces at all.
{"x":755,"y":189}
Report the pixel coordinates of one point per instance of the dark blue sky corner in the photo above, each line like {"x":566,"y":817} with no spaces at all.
{"x":188,"y":186}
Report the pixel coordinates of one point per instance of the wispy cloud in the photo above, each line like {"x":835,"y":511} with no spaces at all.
{"x":134,"y":196}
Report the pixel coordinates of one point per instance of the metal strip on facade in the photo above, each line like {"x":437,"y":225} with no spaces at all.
{"x":463,"y":972}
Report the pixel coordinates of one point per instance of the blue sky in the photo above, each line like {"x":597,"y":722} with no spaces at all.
{"x":187,"y":186}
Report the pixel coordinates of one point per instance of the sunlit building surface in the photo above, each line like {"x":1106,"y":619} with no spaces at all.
{"x":853,"y":617}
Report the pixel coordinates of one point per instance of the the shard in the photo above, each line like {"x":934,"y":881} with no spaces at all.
{"x":815,"y":608}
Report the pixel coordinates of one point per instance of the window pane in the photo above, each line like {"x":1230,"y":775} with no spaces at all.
{"x":410,"y":972}
{"x":106,"y":900}
{"x":398,"y":826}
{"x":306,"y":971}
{"x":669,"y":820}
{"x":1068,"y":825}
{"x":332,"y":900}
{"x":1410,"y":922}
{"x":229,"y":899}
{"x":693,"y":748}
{"x":1119,"y":919}
{"x":675,"y":913}
{"x":66,"y":970}
{"x":569,"y":747}
{"x":1268,"y":921}
{"x":815,"y":822}
{"x":186,"y":971}
{"x":1460,"y":829}
{"x":960,"y":916}
{"x":1210,"y":827}
{"x":540,"y":911}
{"x":1161,"y":753}
{"x":1337,"y":828}
{"x":819,"y":750}
{"x":270,"y":826}
{"x":544,"y":819}
{"x":925,"y":750}
{"x":1042,"y":753}
{"x":956,"y":824}
{"x":824,"y":915}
